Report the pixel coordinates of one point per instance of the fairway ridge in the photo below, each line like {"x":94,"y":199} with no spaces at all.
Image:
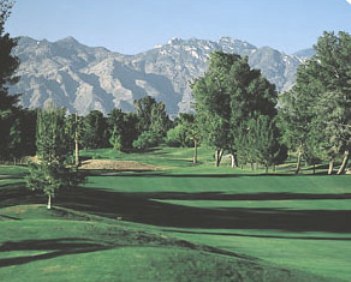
{"x":71,"y":236}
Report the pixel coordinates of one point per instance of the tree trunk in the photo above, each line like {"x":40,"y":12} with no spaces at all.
{"x":344,"y":162}
{"x":274,"y":168}
{"x":234,"y":162}
{"x":331,"y":167}
{"x":49,"y":202}
{"x":76,"y":144}
{"x":218,"y":157}
{"x":314,"y":168}
{"x":298,"y":163}
{"x":266,"y":169}
{"x":195,"y":152}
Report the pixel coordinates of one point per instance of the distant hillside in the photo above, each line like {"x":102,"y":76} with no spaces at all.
{"x":83,"y":78}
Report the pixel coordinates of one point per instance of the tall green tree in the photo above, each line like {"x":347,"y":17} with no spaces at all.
{"x":228,"y":94}
{"x":266,"y":141}
{"x":94,"y":131}
{"x":333,"y":62}
{"x":153,"y":122}
{"x":317,"y":112}
{"x":8,"y":66}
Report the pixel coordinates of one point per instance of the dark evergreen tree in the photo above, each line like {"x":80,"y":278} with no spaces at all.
{"x":8,"y":66}
{"x":94,"y":131}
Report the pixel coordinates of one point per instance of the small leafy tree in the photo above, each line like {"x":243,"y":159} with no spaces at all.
{"x":53,"y":149}
{"x":117,"y":123}
{"x":146,"y":140}
{"x":177,"y":136}
{"x":116,"y":140}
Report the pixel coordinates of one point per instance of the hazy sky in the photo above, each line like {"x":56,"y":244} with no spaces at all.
{"x":131,"y":26}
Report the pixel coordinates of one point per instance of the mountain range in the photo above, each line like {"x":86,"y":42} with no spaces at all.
{"x":69,"y":74}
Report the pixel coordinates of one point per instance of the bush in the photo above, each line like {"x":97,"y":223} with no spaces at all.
{"x":146,"y":140}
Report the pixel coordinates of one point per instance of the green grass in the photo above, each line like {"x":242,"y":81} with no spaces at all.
{"x":51,"y":248}
{"x":263,"y":204}
{"x":185,"y":223}
{"x":179,"y":160}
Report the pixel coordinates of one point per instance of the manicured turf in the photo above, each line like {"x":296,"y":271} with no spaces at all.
{"x":225,"y":224}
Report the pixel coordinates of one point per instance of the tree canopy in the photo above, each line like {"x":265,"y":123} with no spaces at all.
{"x":316,"y":113}
{"x":229,"y":94}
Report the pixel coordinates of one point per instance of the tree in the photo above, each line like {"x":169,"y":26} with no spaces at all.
{"x":145,"y":141}
{"x":266,"y":141}
{"x":21,"y":138}
{"x":72,"y":130}
{"x":228,"y":94}
{"x":143,"y":108}
{"x":177,"y":136}
{"x":333,"y":69}
{"x":51,"y":173}
{"x":181,"y":134}
{"x":94,"y":131}
{"x":317,"y":112}
{"x":8,"y":62}
{"x":153,"y":122}
{"x":8,"y":66}
{"x":116,"y":123}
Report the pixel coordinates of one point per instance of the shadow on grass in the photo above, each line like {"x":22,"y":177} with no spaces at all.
{"x":19,"y":195}
{"x":7,"y":217}
{"x":219,"y":196}
{"x":55,"y":248}
{"x":260,"y":235}
{"x":151,"y":173}
{"x":141,"y":208}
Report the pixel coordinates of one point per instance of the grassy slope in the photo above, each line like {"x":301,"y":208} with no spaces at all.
{"x":295,"y":222}
{"x":299,"y":222}
{"x":62,"y":245}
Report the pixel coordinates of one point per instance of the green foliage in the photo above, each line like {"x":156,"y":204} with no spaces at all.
{"x":185,"y":133}
{"x":316,"y":114}
{"x":8,"y":66}
{"x":94,"y":131}
{"x":153,"y":122}
{"x":123,"y":129}
{"x":177,"y":137}
{"x":45,"y":177}
{"x":229,"y":94}
{"x":9,"y":63}
{"x":146,"y":140}
{"x":53,"y":140}
{"x":116,"y":140}
{"x":266,"y":136}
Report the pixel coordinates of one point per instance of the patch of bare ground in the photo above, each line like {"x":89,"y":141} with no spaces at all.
{"x":117,"y":165}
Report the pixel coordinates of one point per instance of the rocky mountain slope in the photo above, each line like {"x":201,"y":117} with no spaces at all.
{"x":81,"y":78}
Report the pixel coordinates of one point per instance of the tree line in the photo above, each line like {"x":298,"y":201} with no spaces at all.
{"x":238,"y":113}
